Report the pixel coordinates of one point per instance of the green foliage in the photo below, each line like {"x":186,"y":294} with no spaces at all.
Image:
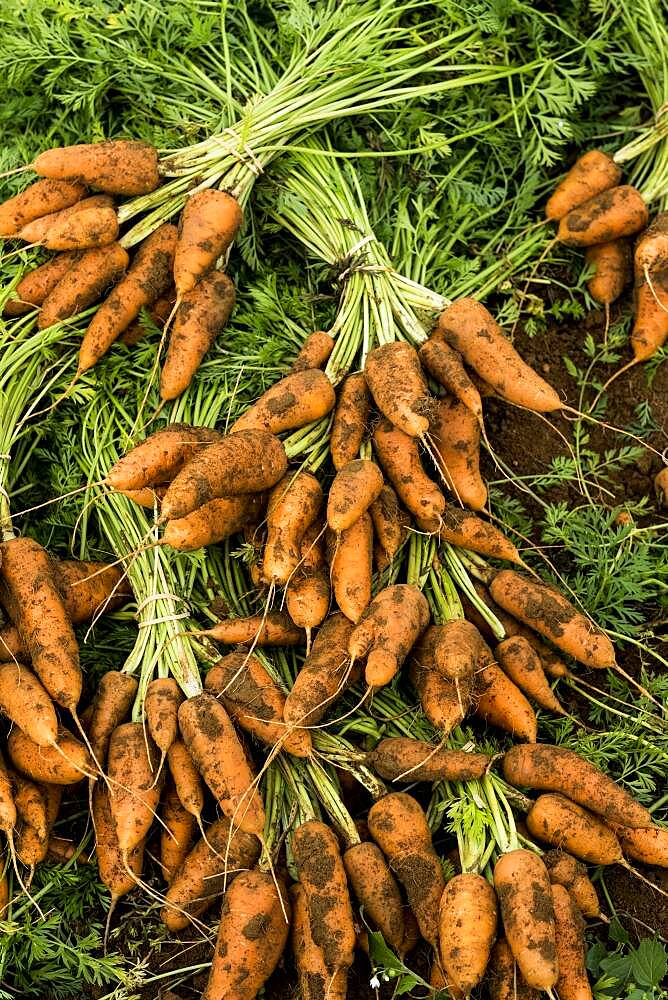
{"x":630,"y":973}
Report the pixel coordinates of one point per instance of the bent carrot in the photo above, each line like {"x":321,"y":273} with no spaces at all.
{"x":41,"y":198}
{"x":34,"y":232}
{"x":523,"y":887}
{"x":400,"y":458}
{"x":467,"y":921}
{"x":565,"y":870}
{"x":377,"y":891}
{"x":30,"y":802}
{"x":176,"y":840}
{"x":307,"y":594}
{"x":501,"y":703}
{"x":148,"y":277}
{"x":455,"y":435}
{"x":395,"y":380}
{"x":550,"y":614}
{"x":27,"y":704}
{"x":271,"y":629}
{"x":160,"y":457}
{"x":186,"y":778}
{"x":388,"y":630}
{"x":460,"y":527}
{"x":37,"y":284}
{"x":556,"y":769}
{"x":209,"y":224}
{"x":572,"y":983}
{"x":612,"y":270}
{"x":214,"y":521}
{"x":119,"y":166}
{"x":351,"y":565}
{"x":324,"y":676}
{"x":111,"y":704}
{"x":400,"y":758}
{"x":354,"y":488}
{"x":314,"y":352}
{"x":133,"y":763}
{"x":202,"y":314}
{"x":83,"y":284}
{"x":649,"y":846}
{"x":505,"y":980}
{"x":316,"y":982}
{"x":243,"y":462}
{"x":561,"y":823}
{"x":297,"y":400}
{"x":591,"y":174}
{"x":470,"y":329}
{"x":519,"y":660}
{"x":65,"y":762}
{"x":445,"y":365}
{"x":350,"y":420}
{"x":608,"y":216}
{"x":294,"y":504}
{"x":161,"y":705}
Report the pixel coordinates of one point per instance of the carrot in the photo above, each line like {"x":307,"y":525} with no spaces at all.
{"x":661,"y":487}
{"x":395,"y":380}
{"x":161,"y":705}
{"x":388,"y":630}
{"x":202,"y":314}
{"x":118,"y":166}
{"x":159,"y":313}
{"x":608,"y":216}
{"x":550,"y":614}
{"x":244,"y":462}
{"x":34,"y":232}
{"x":65,"y":762}
{"x":148,"y":277}
{"x":377,"y":891}
{"x":460,"y":527}
{"x":354,"y":488}
{"x":8,"y":815}
{"x":176,"y":840}
{"x":470,"y":329}
{"x":132,"y":768}
{"x":612,"y":270}
{"x":92,"y":227}
{"x":255,"y":702}
{"x":4,"y":894}
{"x":60,"y":851}
{"x":316,"y":982}
{"x":37,"y":284}
{"x":323,"y":878}
{"x":219,"y":757}
{"x":561,"y":823}
{"x":29,"y":593}
{"x":160,"y":457}
{"x":314,"y":352}
{"x":119,"y":870}
{"x":89,"y":588}
{"x":400,"y":758}
{"x":523,"y":888}
{"x":11,"y":645}
{"x":455,"y":434}
{"x":324,"y":676}
{"x":351,"y":568}
{"x":467,"y":920}
{"x":399,"y":826}
{"x":32,"y":841}
{"x":113,"y":700}
{"x":251,"y":937}
{"x":307,"y":594}
{"x":388,"y":522}
{"x":400,"y":458}
{"x":591,"y":174}
{"x":650,"y":327}
{"x":504,"y":978}
{"x":457,"y":649}
{"x":30,"y":802}
{"x":206,"y":872}
{"x":519,"y":660}
{"x":149,"y":497}
{"x":501,"y":703}
{"x":556,"y":769}
{"x":209,"y":224}
{"x":271,"y":629}
{"x":83,"y":284}
{"x":297,"y":400}
{"x":294,"y":504}
{"x":350,"y":420}
{"x":41,"y":198}
{"x":650,"y":845}
{"x":445,"y":365}
{"x":186,"y":778}
{"x":27,"y":704}
{"x":565,"y":870}
{"x":443,"y":702}
{"x":572,"y":983}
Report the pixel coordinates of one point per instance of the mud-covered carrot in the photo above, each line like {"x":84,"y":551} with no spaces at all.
{"x":210,"y":221}
{"x":387,"y":632}
{"x":504,"y":979}
{"x":389,"y":522}
{"x":354,"y":488}
{"x":118,"y":166}
{"x":401,"y":758}
{"x":41,"y":198}
{"x":501,"y":703}
{"x":455,"y":435}
{"x":446,"y":366}
{"x":523,"y":888}
{"x":519,"y":660}
{"x":294,"y":504}
{"x":37,"y":284}
{"x":555,"y":820}
{"x":350,"y":420}
{"x":611,"y":264}
{"x":161,"y":706}
{"x":295,"y":401}
{"x":399,"y":456}
{"x":186,"y":777}
{"x":34,"y":232}
{"x":377,"y":891}
{"x":65,"y":763}
{"x":133,"y":764}
{"x":591,"y":174}
{"x":271,"y":629}
{"x":649,"y":846}
{"x":160,"y":457}
{"x":84,"y":283}
{"x":27,"y":704}
{"x":214,"y":521}
{"x":396,"y":382}
{"x":608,"y":216}
{"x":176,"y":836}
{"x":572,"y":983}
{"x":461,"y":527}
{"x":112,"y":702}
{"x":316,"y":982}
{"x":565,"y":870}
{"x":314,"y":352}
{"x":324,"y":676}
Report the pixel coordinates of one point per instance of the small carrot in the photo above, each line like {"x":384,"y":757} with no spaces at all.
{"x":297,"y":400}
{"x":92,"y":227}
{"x":501,"y":703}
{"x":350,"y":420}
{"x":445,"y":365}
{"x":8,"y":815}
{"x":27,"y":704}
{"x":186,"y":777}
{"x":648,"y":845}
{"x":351,"y":563}
{"x":557,"y":821}
{"x":316,"y":982}
{"x":455,"y":435}
{"x":83,"y":284}
{"x":271,"y":629}
{"x":111,"y":704}
{"x":460,"y":527}
{"x":591,"y":174}
{"x":135,"y":791}
{"x":307,"y":594}
{"x":34,"y":232}
{"x":314,"y":352}
{"x":202,"y":314}
{"x":37,"y":284}
{"x":400,"y":458}
{"x":572,"y":983}
{"x":395,"y":380}
{"x":41,"y":198}
{"x":650,"y":327}
{"x":555,"y":769}
{"x":354,"y":488}
{"x":324,"y":675}
{"x":89,"y":588}
{"x":294,"y":504}
{"x":443,"y":702}
{"x":30,"y":803}
{"x":519,"y":660}
{"x":550,"y":614}
{"x":608,"y":216}
{"x":148,"y":277}
{"x":161,"y":705}
{"x":504,"y":978}
{"x":65,"y":762}
{"x":388,"y":630}
{"x":209,"y":224}
{"x":213,"y":522}
{"x":388,"y":522}
{"x":119,"y":871}
{"x":118,"y":166}
{"x":176,"y":840}
{"x":470,"y":329}
{"x":523,"y":887}
{"x":611,"y":263}
{"x":400,"y":758}
{"x":457,"y":650}
{"x":467,"y":920}
{"x":160,"y":457}
{"x":565,"y":870}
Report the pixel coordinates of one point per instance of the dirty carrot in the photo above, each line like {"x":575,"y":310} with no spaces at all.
{"x":399,"y":456}
{"x":608,"y":216}
{"x":377,"y":891}
{"x":445,"y":365}
{"x":557,"y":821}
{"x":501,"y":703}
{"x":388,"y":630}
{"x":611,"y":263}
{"x":160,"y":457}
{"x":210,"y":221}
{"x":314,"y":352}
{"x":83,"y":284}
{"x":523,"y":888}
{"x":214,"y":521}
{"x":65,"y":762}
{"x":316,"y":982}
{"x":34,"y":232}
{"x":186,"y":777}
{"x":37,"y":284}
{"x":117,"y":166}
{"x":351,"y":564}
{"x":161,"y":705}
{"x":395,"y":380}
{"x":648,"y":845}
{"x":27,"y":704}
{"x":294,"y":504}
{"x":400,"y":758}
{"x":112,"y":702}
{"x":271,"y":629}
{"x":467,"y":919}
{"x":295,"y":401}
{"x":565,"y":870}
{"x":519,"y":660}
{"x":572,"y":983}
{"x":41,"y":198}
{"x":324,"y":675}
{"x":350,"y":420}
{"x":591,"y":174}
{"x":354,"y":488}
{"x":176,"y":840}
{"x":389,"y":522}
{"x":455,"y":436}
{"x":133,"y":763}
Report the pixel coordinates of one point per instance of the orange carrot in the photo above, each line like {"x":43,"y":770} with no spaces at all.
{"x":612,"y":270}
{"x":377,"y":891}
{"x":118,"y":166}
{"x":83,"y":284}
{"x":159,"y":313}
{"x":30,"y":803}
{"x":556,"y":769}
{"x":34,"y":232}
{"x":8,"y":815}
{"x":388,"y":522}
{"x":161,"y":705}
{"x":324,"y":676}
{"x":307,"y":594}
{"x":64,"y":764}
{"x":565,"y":870}
{"x":395,"y":380}
{"x":649,"y":846}
{"x":455,"y":435}
{"x":561,"y":823}
{"x":468,"y":327}
{"x":650,"y":327}
{"x":295,"y":401}
{"x":294,"y":504}
{"x":443,"y":702}
{"x":113,"y":700}
{"x":201,"y":316}
{"x":591,"y":174}
{"x":27,"y":704}
{"x":445,"y":365}
{"x":135,"y":792}
{"x":209,"y":224}
{"x":505,"y":979}
{"x":460,"y":527}
{"x":119,"y":871}
{"x":176,"y":840}
{"x":501,"y":703}
{"x":271,"y":629}
{"x":400,"y":458}
{"x":41,"y":198}
{"x":186,"y":777}
{"x":388,"y":630}
{"x":546,"y":611}
{"x":523,"y":887}
{"x":37,"y":284}
{"x":661,"y":487}
{"x":213,"y":522}
{"x":572,"y":983}
{"x":400,"y":758}
{"x":148,"y":277}
{"x":519,"y":660}
{"x":608,"y":216}
{"x":92,"y":227}
{"x":314,"y":352}
{"x":315,"y":980}
{"x":89,"y":588}
{"x":457,"y":650}
{"x":467,"y":919}
{"x":350,"y":420}
{"x":160,"y":457}
{"x":351,"y":567}
{"x":354,"y":488}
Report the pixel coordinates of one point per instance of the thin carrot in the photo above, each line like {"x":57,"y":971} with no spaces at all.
{"x":271,"y":629}
{"x":504,"y":979}
{"x":455,"y":434}
{"x":34,"y":232}
{"x":40,"y":198}
{"x":187,"y":780}
{"x":389,"y":522}
{"x":83,"y":284}
{"x":400,"y":458}
{"x":161,"y":705}
{"x":119,"y":870}
{"x":176,"y":840}
{"x":565,"y":870}
{"x":400,"y":758}
{"x":572,"y":983}
{"x":519,"y":660}
{"x":351,"y":563}
{"x":160,"y":457}
{"x":34,"y":287}
{"x":214,"y":521}
{"x":314,"y":352}
{"x":501,"y":703}
{"x":135,"y":792}
{"x":445,"y":365}
{"x":111,"y":704}
{"x":350,"y":420}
